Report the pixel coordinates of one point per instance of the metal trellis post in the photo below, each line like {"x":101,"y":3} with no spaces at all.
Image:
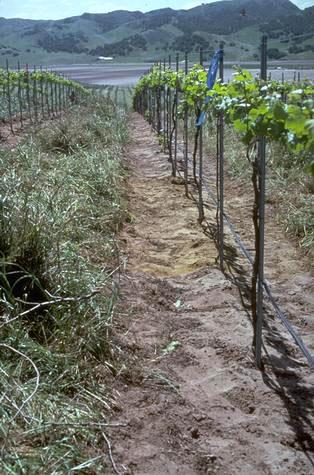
{"x":47,"y":88}
{"x":9,"y":96}
{"x":52,"y":99}
{"x":200,"y":171}
{"x":176,"y":120}
{"x":221,"y":169}
{"x":28,"y":93}
{"x":261,"y":223}
{"x":59,"y":95}
{"x":56,"y":97}
{"x":42,"y":93}
{"x":20,"y":93}
{"x":186,"y":144}
{"x":159,"y":102}
{"x":164,"y":109}
{"x":35,"y":94}
{"x":169,"y":145}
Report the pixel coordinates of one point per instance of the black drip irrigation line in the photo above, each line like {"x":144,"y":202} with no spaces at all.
{"x":294,"y":334}
{"x":298,"y":340}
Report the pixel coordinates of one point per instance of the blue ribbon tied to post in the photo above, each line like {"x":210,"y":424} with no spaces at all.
{"x":211,"y":78}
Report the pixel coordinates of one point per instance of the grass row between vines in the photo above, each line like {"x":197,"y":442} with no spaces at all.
{"x":61,"y":206}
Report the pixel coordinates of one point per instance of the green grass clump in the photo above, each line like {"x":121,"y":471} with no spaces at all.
{"x":120,"y":95}
{"x":60,"y":209}
{"x":293,"y":189}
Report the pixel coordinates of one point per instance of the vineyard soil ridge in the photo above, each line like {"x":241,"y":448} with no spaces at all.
{"x":193,"y":399}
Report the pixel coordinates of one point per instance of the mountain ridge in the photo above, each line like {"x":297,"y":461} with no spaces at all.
{"x":142,"y":36}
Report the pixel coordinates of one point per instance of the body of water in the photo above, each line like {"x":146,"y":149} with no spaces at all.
{"x":129,"y":74}
{"x":105,"y":74}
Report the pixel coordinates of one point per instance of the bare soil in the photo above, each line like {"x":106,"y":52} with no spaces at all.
{"x":10,"y":138}
{"x":192,"y":397}
{"x":7,"y":138}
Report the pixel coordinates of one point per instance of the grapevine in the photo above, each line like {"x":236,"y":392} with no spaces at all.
{"x":24,"y":92}
{"x":280,"y":112}
{"x":277,"y":112}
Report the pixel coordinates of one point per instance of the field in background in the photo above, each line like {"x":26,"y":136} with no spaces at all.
{"x":120,"y":95}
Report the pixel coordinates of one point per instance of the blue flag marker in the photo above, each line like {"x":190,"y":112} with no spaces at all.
{"x":211,"y":78}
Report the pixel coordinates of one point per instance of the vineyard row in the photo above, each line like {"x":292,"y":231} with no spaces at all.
{"x":35,"y":94}
{"x":260,"y":111}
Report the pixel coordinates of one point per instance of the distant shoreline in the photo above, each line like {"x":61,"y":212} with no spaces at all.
{"x":123,"y":74}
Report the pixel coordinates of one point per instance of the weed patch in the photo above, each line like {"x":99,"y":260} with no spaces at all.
{"x":60,"y":208}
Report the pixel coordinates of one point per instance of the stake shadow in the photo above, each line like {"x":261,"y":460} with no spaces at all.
{"x":281,"y":372}
{"x":297,"y":397}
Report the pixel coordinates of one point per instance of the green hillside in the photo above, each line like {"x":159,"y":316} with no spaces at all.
{"x":156,"y":34}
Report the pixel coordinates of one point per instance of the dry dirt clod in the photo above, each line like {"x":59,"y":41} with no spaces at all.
{"x":195,"y":433}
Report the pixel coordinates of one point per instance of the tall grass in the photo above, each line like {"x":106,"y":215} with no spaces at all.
{"x":60,"y":208}
{"x":121,"y":95}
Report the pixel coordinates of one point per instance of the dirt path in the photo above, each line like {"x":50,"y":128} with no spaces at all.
{"x":193,"y":400}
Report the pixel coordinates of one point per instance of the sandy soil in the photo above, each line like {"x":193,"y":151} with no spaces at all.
{"x":192,"y":397}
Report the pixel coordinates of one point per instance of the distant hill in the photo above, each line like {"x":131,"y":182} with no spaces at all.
{"x":142,"y":36}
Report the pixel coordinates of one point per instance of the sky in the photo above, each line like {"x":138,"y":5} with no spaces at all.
{"x":56,"y":9}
